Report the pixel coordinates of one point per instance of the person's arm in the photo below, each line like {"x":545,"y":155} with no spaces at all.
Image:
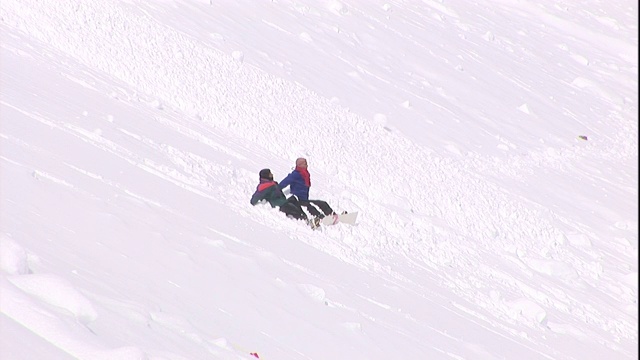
{"x":286,"y":181}
{"x":258,"y":196}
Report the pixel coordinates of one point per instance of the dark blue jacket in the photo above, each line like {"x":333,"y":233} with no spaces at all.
{"x":298,"y":187}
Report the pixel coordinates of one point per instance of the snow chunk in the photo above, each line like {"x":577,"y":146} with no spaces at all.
{"x":13,"y":258}
{"x":579,"y":240}
{"x":582,"y":82}
{"x":488,"y":36}
{"x":337,"y":7}
{"x":524,"y":108}
{"x":528,"y":310}
{"x":305,"y":37}
{"x":380,"y":119}
{"x":314,"y":292}
{"x":352,"y":326}
{"x":123,"y":353}
{"x":217,"y":37}
{"x":610,"y":22}
{"x":593,"y":87}
{"x":453,"y":148}
{"x":567,"y":329}
{"x":238,"y":56}
{"x":553,"y":268}
{"x":631,"y":279}
{"x":627,"y":225}
{"x":580,"y":59}
{"x":57,"y":292}
{"x":221,"y":342}
{"x":631,"y":309}
{"x":354,"y":74}
{"x":156,"y":104}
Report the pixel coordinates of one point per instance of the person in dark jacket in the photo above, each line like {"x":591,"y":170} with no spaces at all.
{"x":269,"y":191}
{"x":299,"y":181}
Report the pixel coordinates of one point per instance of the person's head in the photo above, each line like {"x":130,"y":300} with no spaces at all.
{"x":266,"y":174}
{"x":301,"y":163}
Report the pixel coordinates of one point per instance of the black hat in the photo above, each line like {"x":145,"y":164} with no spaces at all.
{"x":266,"y":174}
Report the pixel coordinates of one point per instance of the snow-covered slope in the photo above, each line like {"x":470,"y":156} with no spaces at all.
{"x":132,"y":133}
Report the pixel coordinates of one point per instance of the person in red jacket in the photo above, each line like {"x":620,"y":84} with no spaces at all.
{"x":299,"y":181}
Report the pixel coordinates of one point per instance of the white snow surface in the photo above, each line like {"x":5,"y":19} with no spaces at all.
{"x":490,"y":148}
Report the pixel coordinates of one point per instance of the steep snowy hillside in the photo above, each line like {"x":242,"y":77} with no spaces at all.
{"x":490,"y":150}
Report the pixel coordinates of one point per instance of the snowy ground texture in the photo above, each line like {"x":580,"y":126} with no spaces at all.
{"x":491,"y":149}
